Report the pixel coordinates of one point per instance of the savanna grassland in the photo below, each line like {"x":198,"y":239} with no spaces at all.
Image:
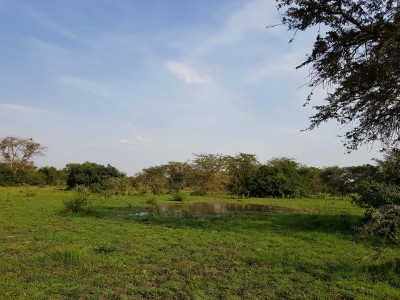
{"x":309,"y":251}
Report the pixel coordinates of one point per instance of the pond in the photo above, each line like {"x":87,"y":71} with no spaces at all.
{"x":194,"y":209}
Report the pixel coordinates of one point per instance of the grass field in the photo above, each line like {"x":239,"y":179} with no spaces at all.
{"x":109,"y":252}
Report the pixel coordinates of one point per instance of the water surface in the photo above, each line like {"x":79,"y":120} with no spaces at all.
{"x":193,"y":209}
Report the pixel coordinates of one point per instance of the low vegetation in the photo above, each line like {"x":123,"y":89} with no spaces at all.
{"x":111,"y":251}
{"x":78,"y":199}
{"x":88,"y":231}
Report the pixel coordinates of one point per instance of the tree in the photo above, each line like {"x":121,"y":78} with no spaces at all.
{"x":209,"y":173}
{"x":152,"y":179}
{"x":333,"y":180}
{"x":17,"y":152}
{"x":390,"y":167}
{"x":384,"y":187}
{"x":91,"y":175}
{"x":52,"y":176}
{"x":311,"y":180}
{"x":356,"y":55}
{"x":278,"y":178}
{"x":241,"y":169}
{"x":178,"y":174}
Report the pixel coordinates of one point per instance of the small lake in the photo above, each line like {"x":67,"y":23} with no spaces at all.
{"x":195,"y":209}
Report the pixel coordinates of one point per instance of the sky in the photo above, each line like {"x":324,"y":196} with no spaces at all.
{"x":139,"y":83}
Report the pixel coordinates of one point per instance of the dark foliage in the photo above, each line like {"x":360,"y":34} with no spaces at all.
{"x":278,"y":178}
{"x":91,"y":175}
{"x":384,"y":222}
{"x":389,"y":167}
{"x":356,"y":55}
{"x":241,"y":169}
{"x":373,"y":195}
{"x":9,"y":177}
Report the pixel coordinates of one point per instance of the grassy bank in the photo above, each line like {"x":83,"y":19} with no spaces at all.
{"x":110,"y":252}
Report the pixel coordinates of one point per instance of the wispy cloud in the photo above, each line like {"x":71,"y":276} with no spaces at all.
{"x":186,"y":73}
{"x":22,"y":109}
{"x":284,"y":65}
{"x":91,"y":86}
{"x":45,"y":22}
{"x":42,"y":45}
{"x":90,"y":144}
{"x":252,"y":18}
{"x":137,"y":141}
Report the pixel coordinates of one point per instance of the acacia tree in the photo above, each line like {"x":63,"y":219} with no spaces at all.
{"x":17,"y":152}
{"x":178,"y":175}
{"x":209,"y":173}
{"x":356,"y":55}
{"x":241,"y":169}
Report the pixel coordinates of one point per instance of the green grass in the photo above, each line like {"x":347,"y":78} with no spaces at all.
{"x":109,"y":253}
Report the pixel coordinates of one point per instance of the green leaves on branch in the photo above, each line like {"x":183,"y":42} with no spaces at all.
{"x":373,"y":195}
{"x":356,"y":55}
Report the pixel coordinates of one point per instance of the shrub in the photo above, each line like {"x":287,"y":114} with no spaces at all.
{"x":117,"y":186}
{"x":373,"y":195}
{"x":179,"y":197}
{"x":79,"y":199}
{"x":385,"y":222}
{"x":91,"y":175}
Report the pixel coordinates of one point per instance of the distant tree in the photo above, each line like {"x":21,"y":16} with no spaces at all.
{"x":209,"y":173}
{"x":27,"y":176}
{"x":356,"y":54}
{"x":241,"y":170}
{"x":117,"y":186}
{"x":7,"y":176}
{"x":311,"y":180}
{"x":17,"y":152}
{"x":356,"y":175}
{"x":179,"y":175}
{"x":91,"y":175}
{"x":153,"y":180}
{"x":278,"y":178}
{"x":52,"y":176}
{"x":334,"y":180}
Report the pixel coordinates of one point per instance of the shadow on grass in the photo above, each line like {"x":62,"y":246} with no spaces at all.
{"x":264,"y":222}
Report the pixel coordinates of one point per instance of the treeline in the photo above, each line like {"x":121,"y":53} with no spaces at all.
{"x":210,"y":174}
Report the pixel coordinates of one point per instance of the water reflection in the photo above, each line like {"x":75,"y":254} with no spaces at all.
{"x":193,"y":209}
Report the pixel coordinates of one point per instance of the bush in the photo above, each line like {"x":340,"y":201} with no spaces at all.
{"x":117,"y":186}
{"x":373,"y":195}
{"x":384,"y":222}
{"x":179,"y":197}
{"x":91,"y":175}
{"x":79,"y":199}
{"x":151,"y":201}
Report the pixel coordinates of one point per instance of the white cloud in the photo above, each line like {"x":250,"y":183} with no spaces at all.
{"x":185,"y":73}
{"x":22,"y":109}
{"x":138,"y":141}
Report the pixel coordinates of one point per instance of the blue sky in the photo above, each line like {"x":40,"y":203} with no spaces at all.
{"x":137,"y":83}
